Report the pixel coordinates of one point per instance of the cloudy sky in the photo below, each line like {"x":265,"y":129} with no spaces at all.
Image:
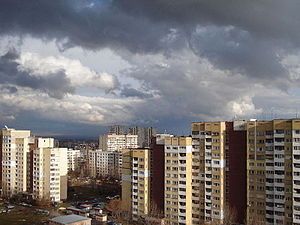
{"x":73,"y":67}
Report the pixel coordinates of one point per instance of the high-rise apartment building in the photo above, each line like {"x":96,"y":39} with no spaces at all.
{"x":178,"y":180}
{"x":104,"y":163}
{"x":32,"y":166}
{"x":117,"y":129}
{"x":35,"y":143}
{"x":136,"y":182}
{"x":273,"y":174}
{"x":143,"y":182}
{"x":114,"y":142}
{"x":209,"y":172}
{"x":204,"y":175}
{"x":227,"y":172}
{"x":219,"y":172}
{"x":14,"y":150}
{"x":144,"y":134}
{"x":50,"y":173}
{"x":74,"y":159}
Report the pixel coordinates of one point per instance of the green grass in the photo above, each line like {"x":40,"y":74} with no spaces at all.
{"x":26,"y":217}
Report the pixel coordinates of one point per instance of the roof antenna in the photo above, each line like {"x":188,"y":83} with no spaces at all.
{"x":5,"y":126}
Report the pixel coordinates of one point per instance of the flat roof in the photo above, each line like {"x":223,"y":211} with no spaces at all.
{"x":69,"y":219}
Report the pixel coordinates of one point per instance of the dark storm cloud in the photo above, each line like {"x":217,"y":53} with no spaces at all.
{"x":75,"y":22}
{"x":247,"y":37}
{"x":266,"y":18}
{"x":10,"y":89}
{"x":132,"y":92}
{"x":238,"y":51}
{"x":55,"y":84}
{"x":145,"y":26}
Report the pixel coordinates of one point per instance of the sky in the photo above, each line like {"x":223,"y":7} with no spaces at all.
{"x":74,"y":67}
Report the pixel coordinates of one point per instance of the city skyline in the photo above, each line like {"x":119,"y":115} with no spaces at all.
{"x":72,"y":67}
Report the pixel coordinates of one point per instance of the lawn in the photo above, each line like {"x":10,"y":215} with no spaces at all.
{"x":22,"y":216}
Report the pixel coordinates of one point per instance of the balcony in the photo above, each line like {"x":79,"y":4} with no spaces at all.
{"x":279,"y":135}
{"x":195,"y":198}
{"x":296,"y":218}
{"x":268,"y":144}
{"x":195,"y":142}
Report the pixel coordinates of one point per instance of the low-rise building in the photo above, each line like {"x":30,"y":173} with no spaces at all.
{"x":70,"y":220}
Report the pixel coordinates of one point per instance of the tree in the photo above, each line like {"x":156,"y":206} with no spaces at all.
{"x":154,"y":217}
{"x":254,"y":221}
{"x":230,"y":215}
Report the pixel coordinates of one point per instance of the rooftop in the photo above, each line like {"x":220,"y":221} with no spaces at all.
{"x":68,"y":219}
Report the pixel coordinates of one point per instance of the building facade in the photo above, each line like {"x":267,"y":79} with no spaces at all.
{"x":50,"y":173}
{"x":144,"y":135}
{"x":32,"y":166}
{"x":74,"y":159}
{"x":209,"y":184}
{"x":219,"y":172}
{"x":104,"y":163}
{"x":157,"y":173}
{"x":136,"y":182}
{"x":14,"y":152}
{"x":117,"y":129}
{"x":178,"y":180}
{"x":114,"y":142}
{"x":273,"y":178}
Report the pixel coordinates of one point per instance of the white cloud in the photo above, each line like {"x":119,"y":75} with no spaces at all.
{"x":79,"y":75}
{"x":243,"y":107}
{"x":72,"y":108}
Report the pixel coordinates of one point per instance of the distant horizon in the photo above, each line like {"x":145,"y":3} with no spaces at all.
{"x":104,"y":129}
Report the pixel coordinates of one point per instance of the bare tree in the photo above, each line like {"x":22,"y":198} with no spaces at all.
{"x":230,"y":215}
{"x":254,"y":221}
{"x":154,"y":217}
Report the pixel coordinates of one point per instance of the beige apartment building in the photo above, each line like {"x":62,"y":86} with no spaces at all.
{"x":178,"y":180}
{"x":136,"y":182}
{"x":273,"y":172}
{"x":50,"y":168}
{"x":14,"y":150}
{"x":208,"y":172}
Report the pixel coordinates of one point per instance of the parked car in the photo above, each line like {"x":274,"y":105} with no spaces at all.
{"x":43,"y":211}
{"x":10,"y":207}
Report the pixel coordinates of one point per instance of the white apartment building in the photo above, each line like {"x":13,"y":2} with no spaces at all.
{"x":104,"y":163}
{"x":114,"y":142}
{"x":74,"y":158}
{"x":32,"y":165}
{"x":14,"y":150}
